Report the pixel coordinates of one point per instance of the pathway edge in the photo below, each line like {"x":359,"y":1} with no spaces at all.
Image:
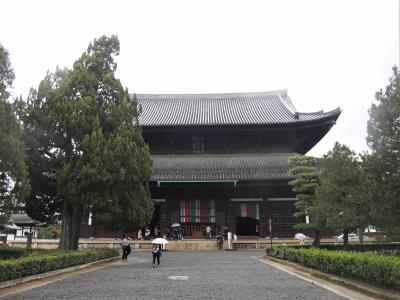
{"x":17,"y":281}
{"x":344,"y":287}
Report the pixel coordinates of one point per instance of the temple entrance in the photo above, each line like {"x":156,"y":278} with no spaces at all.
{"x":247,"y":216}
{"x":246,"y":226}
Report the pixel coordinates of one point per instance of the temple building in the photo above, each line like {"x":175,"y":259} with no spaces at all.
{"x":221,"y":160}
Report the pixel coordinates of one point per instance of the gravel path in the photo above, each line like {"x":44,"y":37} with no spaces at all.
{"x":203,"y":275}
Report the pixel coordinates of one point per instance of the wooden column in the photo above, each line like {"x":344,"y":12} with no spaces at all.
{"x":263,"y":218}
{"x":174,"y":211}
{"x":269,"y":216}
{"x":219,"y":216}
{"x":164,"y":223}
{"x":230,"y":219}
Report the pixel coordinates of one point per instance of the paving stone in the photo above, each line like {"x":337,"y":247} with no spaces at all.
{"x":210,"y":275}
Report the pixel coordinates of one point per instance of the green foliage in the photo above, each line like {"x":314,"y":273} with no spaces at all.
{"x":383,"y":165}
{"x":11,"y":252}
{"x":377,"y":248}
{"x":307,"y":180}
{"x":305,"y":183}
{"x":342,"y":196}
{"x":7,"y":74}
{"x":375,"y":269}
{"x":45,"y":232}
{"x":46,"y":261}
{"x":14,"y":184}
{"x":87,"y":146}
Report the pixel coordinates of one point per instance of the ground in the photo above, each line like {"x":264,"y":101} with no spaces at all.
{"x":204,"y":275}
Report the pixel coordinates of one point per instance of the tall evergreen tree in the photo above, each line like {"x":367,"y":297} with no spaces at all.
{"x":342,"y":196}
{"x":307,"y":180}
{"x":384,"y":162}
{"x":90,"y":142}
{"x":14,"y":184}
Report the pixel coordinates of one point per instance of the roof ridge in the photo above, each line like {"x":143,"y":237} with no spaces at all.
{"x":226,"y":154}
{"x":214,"y":95}
{"x":337,"y":109}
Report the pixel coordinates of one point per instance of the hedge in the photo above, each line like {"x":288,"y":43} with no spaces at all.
{"x":361,"y":248}
{"x":11,"y":252}
{"x":375,"y":269}
{"x":384,"y":248}
{"x":41,"y":262}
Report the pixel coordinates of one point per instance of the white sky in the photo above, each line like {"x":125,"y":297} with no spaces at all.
{"x":326,"y":53}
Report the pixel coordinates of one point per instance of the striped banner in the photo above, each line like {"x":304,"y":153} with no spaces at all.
{"x":197,"y":211}
{"x":250,"y":210}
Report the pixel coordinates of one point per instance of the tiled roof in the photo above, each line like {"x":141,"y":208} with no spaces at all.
{"x":223,"y":109}
{"x":221,"y":166}
{"x":21,"y":219}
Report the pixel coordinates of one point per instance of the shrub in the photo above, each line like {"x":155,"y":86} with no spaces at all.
{"x":380,"y":270}
{"x":11,"y":252}
{"x":45,"y":232}
{"x":45,"y":261}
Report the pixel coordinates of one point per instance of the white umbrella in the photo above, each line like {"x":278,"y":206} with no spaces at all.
{"x":300,"y":236}
{"x":176,"y":225}
{"x":159,"y":241}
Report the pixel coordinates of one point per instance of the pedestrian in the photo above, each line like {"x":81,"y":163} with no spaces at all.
{"x":235,"y":238}
{"x":139,"y":235}
{"x":126,"y":248}
{"x":54,"y":234}
{"x":156,"y":231}
{"x":208,"y":232}
{"x":147,"y":234}
{"x":156,"y":254}
{"x":230,"y":240}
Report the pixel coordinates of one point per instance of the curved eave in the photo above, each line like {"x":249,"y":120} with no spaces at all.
{"x":328,"y":117}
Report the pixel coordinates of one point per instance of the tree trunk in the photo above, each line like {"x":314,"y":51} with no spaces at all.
{"x":70,"y":226}
{"x":317,"y":238}
{"x":346,"y":238}
{"x":360,"y":233}
{"x":29,"y":240}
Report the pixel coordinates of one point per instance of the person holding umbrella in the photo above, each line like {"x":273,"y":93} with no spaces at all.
{"x":156,"y":251}
{"x":156,"y":254}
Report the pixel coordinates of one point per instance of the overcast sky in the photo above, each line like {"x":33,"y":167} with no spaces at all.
{"x":326,"y":53}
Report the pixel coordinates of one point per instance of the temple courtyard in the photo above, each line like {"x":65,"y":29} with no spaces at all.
{"x":181,"y":275}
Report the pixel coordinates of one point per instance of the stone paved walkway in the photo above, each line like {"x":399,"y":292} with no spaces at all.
{"x":183,"y":275}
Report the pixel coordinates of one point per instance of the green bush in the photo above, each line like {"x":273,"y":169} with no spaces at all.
{"x":45,"y":232}
{"x":355,"y":247}
{"x":376,"y":269}
{"x":11,"y":252}
{"x":45,"y":261}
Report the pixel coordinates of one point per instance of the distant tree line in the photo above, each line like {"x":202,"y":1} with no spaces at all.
{"x":346,"y":191}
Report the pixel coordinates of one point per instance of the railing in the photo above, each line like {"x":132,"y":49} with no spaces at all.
{"x":197,"y":229}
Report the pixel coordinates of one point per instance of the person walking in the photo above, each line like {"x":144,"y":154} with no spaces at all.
{"x":156,"y":254}
{"x":208,"y":232}
{"x":125,"y":248}
{"x":139,"y":235}
{"x":147,"y":234}
{"x":229,"y":240}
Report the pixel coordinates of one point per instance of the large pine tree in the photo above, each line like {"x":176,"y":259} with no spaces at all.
{"x":342,"y":197}
{"x":383,"y":165}
{"x":14,"y":184}
{"x":87,"y":143}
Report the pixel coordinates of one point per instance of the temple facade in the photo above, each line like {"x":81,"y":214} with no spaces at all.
{"x":221,"y":160}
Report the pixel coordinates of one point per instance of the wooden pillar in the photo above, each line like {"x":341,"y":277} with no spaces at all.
{"x":220,"y":217}
{"x":230,"y":219}
{"x":263,"y":218}
{"x":268,"y":214}
{"x":164,"y":224}
{"x":174,"y":210}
